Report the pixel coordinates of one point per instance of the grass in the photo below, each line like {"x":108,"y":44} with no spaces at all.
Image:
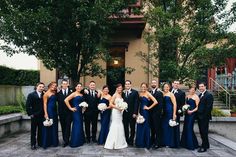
{"x":7,"y":109}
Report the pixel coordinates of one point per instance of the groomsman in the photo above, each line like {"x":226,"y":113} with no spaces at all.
{"x":131,"y":97}
{"x":204,"y":115}
{"x":155,"y":115}
{"x":180,"y":101}
{"x":65,"y":114}
{"x":34,"y":108}
{"x":91,"y":113}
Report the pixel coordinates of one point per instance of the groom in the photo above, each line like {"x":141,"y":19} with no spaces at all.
{"x":131,"y":97}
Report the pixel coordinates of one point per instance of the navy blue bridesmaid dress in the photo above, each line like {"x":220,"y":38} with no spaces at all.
{"x":105,"y":122}
{"x":170,"y":137}
{"x":50,"y":133}
{"x":143,"y":130}
{"x":77,"y":133}
{"x":188,"y":138}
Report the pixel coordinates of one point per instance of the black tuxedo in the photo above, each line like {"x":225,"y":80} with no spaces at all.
{"x":91,"y":115}
{"x":155,"y":117}
{"x":204,"y":115}
{"x":34,"y":108}
{"x":133,"y":103}
{"x":65,"y":115}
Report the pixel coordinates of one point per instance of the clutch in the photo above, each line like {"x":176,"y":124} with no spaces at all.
{"x":48,"y":122}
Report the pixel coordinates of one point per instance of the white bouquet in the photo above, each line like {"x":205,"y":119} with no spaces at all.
{"x":173,"y":123}
{"x":185,"y":108}
{"x":48,"y":122}
{"x":121,"y":104}
{"x":102,"y":106}
{"x":140,"y":119}
{"x":83,"y":104}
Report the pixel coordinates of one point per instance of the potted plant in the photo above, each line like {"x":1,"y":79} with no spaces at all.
{"x":233,"y":112}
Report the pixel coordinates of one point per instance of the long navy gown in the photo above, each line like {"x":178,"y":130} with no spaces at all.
{"x":169,"y":138}
{"x":77,"y":133}
{"x":188,"y":138}
{"x":105,"y":122}
{"x":143,"y":130}
{"x":50,"y":133}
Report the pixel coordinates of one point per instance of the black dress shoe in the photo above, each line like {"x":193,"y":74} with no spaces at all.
{"x":201,"y":150}
{"x":87,"y":141}
{"x":33,"y":147}
{"x":94,"y":140}
{"x":65,"y":144}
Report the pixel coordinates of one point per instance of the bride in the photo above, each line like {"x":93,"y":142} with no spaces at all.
{"x":116,"y":135}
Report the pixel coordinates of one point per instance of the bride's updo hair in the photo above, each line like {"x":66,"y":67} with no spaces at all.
{"x":119,"y":85}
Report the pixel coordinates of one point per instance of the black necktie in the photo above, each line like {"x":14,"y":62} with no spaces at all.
{"x":64,"y":92}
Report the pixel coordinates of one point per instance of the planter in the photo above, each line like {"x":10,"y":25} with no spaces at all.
{"x":233,"y":114}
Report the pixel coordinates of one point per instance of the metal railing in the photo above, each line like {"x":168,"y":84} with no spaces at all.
{"x":227,"y":81}
{"x":217,"y":88}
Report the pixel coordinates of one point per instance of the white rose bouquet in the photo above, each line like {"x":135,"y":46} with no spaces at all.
{"x":48,"y":122}
{"x":83,"y":104}
{"x":102,"y":107}
{"x":185,"y":108}
{"x":121,"y":104}
{"x":173,"y":123}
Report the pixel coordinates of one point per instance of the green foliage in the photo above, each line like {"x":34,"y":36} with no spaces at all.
{"x":7,"y":109}
{"x":18,"y":77}
{"x":66,"y":35}
{"x":233,"y":109}
{"x":217,"y":113}
{"x":187,"y":37}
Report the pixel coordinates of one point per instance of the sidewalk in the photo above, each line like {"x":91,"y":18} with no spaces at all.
{"x":18,"y":145}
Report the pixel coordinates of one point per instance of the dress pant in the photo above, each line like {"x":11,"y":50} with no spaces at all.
{"x":203,"y":125}
{"x":65,"y":121}
{"x":36,"y":129}
{"x":155,"y":124}
{"x":129,"y":126}
{"x":89,"y":119}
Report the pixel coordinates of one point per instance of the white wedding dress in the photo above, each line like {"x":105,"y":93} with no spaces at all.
{"x":116,"y":135}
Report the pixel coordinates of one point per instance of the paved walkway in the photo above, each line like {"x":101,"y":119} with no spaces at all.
{"x":18,"y":145}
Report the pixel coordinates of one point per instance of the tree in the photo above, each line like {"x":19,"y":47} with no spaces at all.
{"x":67,"y":35}
{"x":187,"y":37}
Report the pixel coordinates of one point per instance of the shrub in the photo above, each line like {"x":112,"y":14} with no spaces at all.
{"x":6,"y":109}
{"x":217,"y":113}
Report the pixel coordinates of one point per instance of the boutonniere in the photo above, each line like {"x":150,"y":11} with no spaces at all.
{"x":71,"y":90}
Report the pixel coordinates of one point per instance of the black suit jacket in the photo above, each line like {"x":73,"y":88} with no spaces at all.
{"x":205,"y":105}
{"x":34,"y":105}
{"x":62,"y":108}
{"x":158,"y":95}
{"x":133,"y":101}
{"x":180,"y":99}
{"x":92,"y":103}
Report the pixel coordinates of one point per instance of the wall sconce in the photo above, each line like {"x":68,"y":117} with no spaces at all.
{"x":115,"y":61}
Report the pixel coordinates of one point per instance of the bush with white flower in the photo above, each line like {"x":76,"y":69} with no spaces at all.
{"x":173,"y":123}
{"x":83,"y":104}
{"x":102,"y":106}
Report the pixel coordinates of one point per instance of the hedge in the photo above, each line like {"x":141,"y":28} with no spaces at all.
{"x":9,"y":76}
{"x":6,"y":109}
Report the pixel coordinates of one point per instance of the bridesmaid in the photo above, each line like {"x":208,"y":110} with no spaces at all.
{"x":188,"y":138}
{"x":77,"y":133}
{"x":105,"y":115}
{"x":143,"y":130}
{"x":169,"y":138}
{"x":50,"y":133}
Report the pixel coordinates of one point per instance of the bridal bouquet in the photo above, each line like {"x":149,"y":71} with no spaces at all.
{"x":140,"y":119}
{"x":48,"y":122}
{"x":102,"y":106}
{"x":173,"y":123}
{"x":83,"y":104}
{"x":185,"y":108}
{"x":121,"y":104}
